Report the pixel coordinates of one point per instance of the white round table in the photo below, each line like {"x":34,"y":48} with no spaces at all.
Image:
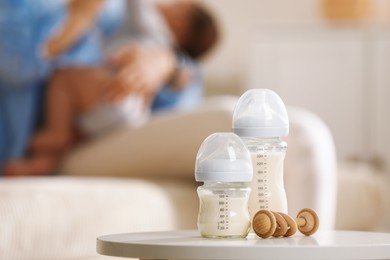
{"x":188,"y":244}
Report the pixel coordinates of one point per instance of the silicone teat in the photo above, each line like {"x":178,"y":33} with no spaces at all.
{"x":260,"y":113}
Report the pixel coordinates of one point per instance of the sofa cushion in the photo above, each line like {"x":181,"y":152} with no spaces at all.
{"x":60,"y":217}
{"x":166,"y":146}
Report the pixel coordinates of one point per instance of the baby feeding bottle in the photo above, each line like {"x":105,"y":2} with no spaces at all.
{"x":223,"y":163}
{"x":260,"y":119}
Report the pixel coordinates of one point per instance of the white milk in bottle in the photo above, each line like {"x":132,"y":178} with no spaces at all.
{"x":260,"y":119}
{"x":267,"y":184}
{"x":222,"y":213}
{"x":223,"y":163}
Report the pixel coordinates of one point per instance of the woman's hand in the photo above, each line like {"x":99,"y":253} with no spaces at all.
{"x":141,"y":70}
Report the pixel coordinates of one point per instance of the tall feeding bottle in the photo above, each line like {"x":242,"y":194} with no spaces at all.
{"x":260,"y":119}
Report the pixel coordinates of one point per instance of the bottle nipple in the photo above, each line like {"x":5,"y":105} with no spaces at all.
{"x":223,"y":157}
{"x":260,"y":113}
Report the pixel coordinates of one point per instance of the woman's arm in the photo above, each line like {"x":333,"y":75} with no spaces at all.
{"x":82,"y":15}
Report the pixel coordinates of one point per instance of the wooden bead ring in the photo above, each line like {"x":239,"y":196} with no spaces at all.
{"x":264,"y":223}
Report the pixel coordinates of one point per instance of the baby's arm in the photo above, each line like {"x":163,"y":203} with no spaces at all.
{"x":183,"y":72}
{"x":180,"y":78}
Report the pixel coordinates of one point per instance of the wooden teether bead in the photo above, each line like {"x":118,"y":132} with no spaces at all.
{"x":264,"y":223}
{"x":292,"y":225}
{"x":281,"y":225}
{"x":307,"y":221}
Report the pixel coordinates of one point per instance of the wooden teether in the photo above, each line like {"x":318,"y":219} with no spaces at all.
{"x":307,"y":221}
{"x":264,"y":223}
{"x":292,"y":225}
{"x":267,"y":223}
{"x":281,"y":225}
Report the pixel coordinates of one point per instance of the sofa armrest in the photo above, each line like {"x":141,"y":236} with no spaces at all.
{"x":311,"y":166}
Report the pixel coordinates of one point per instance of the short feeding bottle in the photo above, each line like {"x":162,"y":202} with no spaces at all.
{"x":223,"y":163}
{"x":260,"y":119}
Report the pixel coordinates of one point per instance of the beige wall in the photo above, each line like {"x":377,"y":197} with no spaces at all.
{"x":227,"y":67}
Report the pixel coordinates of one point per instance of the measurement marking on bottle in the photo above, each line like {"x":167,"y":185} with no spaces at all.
{"x":262,"y":175}
{"x":223,"y":222}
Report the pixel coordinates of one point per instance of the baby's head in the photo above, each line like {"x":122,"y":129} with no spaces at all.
{"x":192,"y":25}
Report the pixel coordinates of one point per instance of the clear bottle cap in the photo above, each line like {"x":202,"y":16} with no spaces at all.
{"x":223,"y":157}
{"x":260,"y":113}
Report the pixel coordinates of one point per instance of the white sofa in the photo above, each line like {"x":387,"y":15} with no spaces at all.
{"x":142,"y":180}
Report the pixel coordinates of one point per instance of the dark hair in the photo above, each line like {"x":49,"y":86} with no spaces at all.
{"x":203,"y":32}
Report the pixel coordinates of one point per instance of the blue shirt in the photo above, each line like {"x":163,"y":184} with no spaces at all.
{"x":24,"y":27}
